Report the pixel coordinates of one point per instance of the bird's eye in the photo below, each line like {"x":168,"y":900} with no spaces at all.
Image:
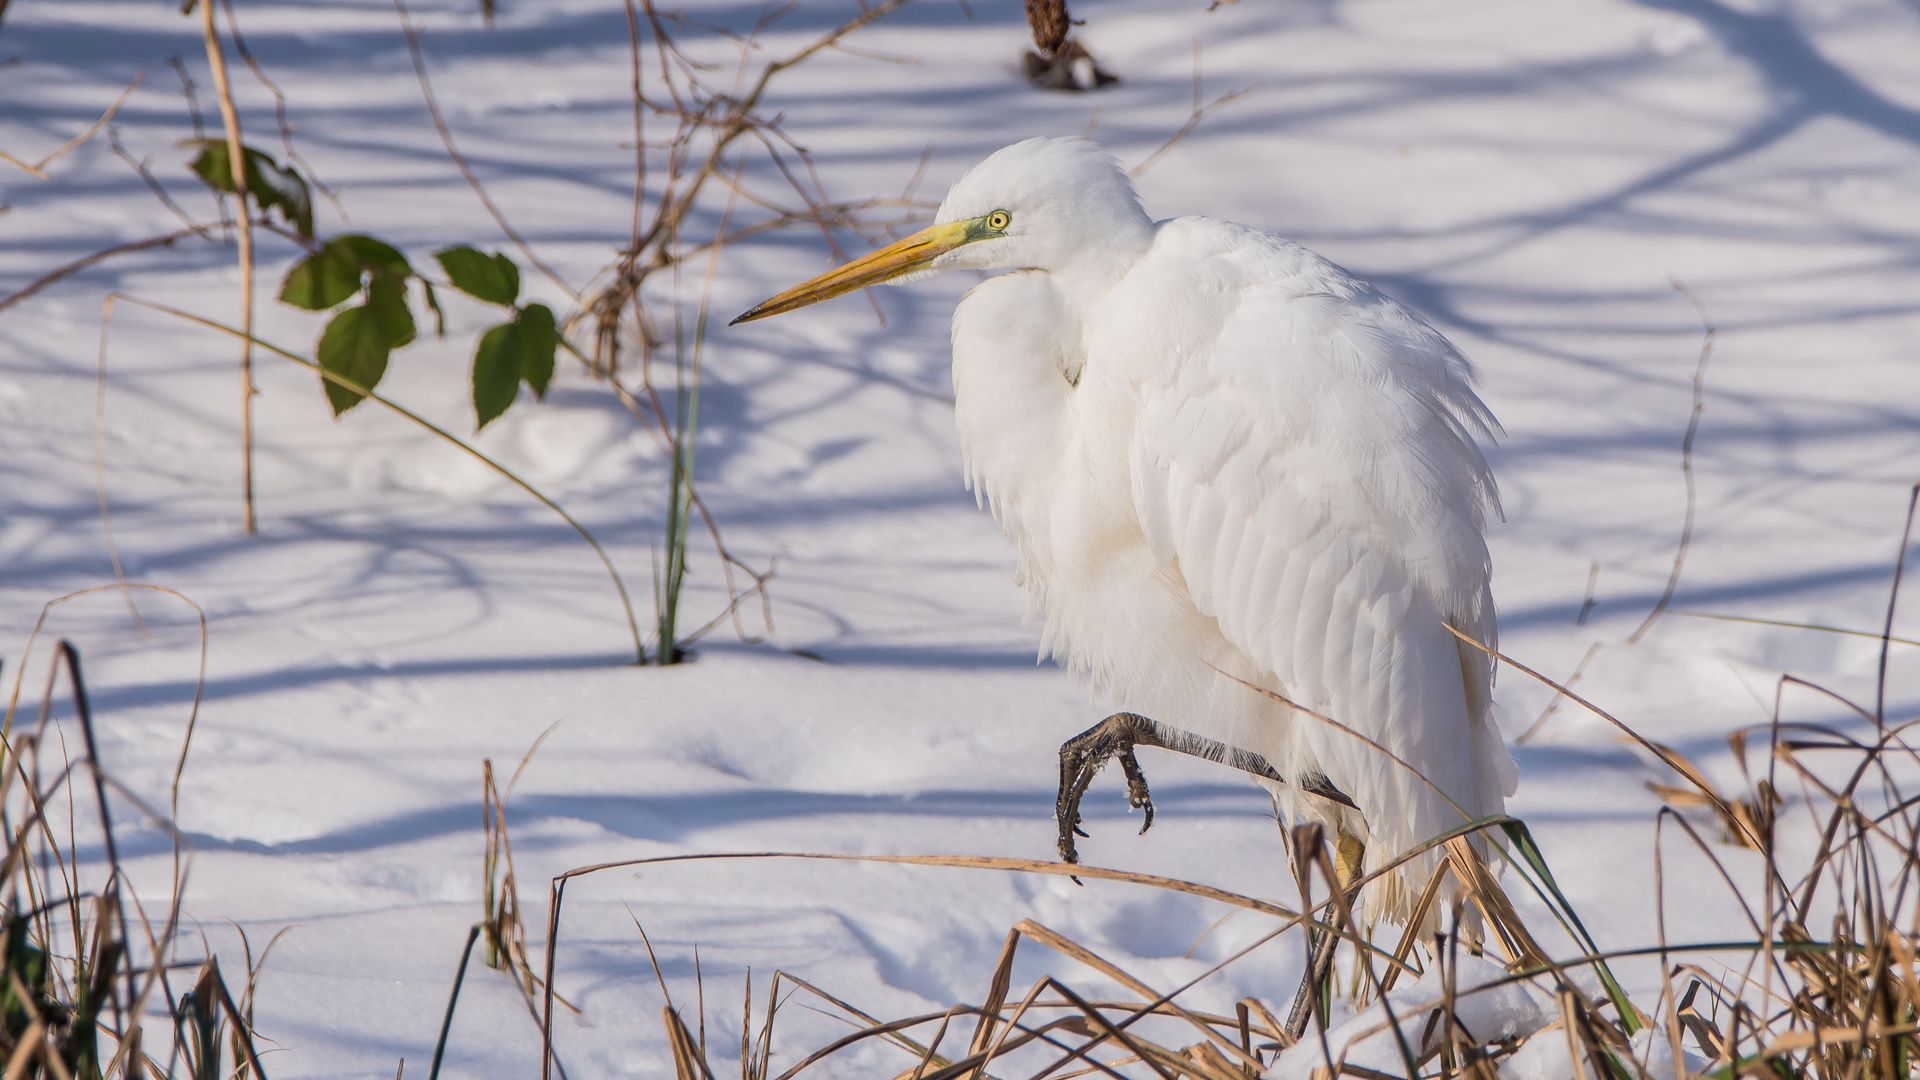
{"x":999,"y":220}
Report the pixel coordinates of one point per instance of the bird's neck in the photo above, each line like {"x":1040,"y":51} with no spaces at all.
{"x":1084,"y":278}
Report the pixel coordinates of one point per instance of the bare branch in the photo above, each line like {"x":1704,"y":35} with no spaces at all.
{"x":39,"y":168}
{"x":74,"y":267}
{"x":459,"y":159}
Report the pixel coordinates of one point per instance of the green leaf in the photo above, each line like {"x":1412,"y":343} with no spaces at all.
{"x":492,"y":278}
{"x":274,"y":185}
{"x":271,"y":185}
{"x":433,"y":305}
{"x":496,"y":372}
{"x":213,"y":165}
{"x":355,"y":346}
{"x":323,"y":279}
{"x":375,"y":255}
{"x":387,"y":306}
{"x":538,"y":340}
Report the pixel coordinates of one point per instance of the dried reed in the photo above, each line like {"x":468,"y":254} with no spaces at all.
{"x":1822,"y":986}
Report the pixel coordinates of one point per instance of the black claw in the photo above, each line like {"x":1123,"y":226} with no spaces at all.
{"x":1080,"y":760}
{"x":1137,"y":795}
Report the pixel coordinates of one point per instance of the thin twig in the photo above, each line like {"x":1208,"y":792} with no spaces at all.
{"x":100,"y":464}
{"x":39,"y":168}
{"x":460,"y":160}
{"x":1560,"y":695}
{"x":187,"y":92}
{"x":1686,"y":456}
{"x":279,"y":109}
{"x":1193,"y":120}
{"x":153,"y":184}
{"x":1874,"y":634}
{"x":366,"y":392}
{"x":1893,"y":599}
{"x":1666,"y":757}
{"x":74,"y":267}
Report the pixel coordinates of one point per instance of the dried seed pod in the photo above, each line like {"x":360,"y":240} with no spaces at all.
{"x":1050,"y":22}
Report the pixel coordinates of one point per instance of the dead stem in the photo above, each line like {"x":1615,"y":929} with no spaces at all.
{"x":1560,"y":696}
{"x":39,"y":168}
{"x":446,"y":136}
{"x":100,"y":464}
{"x":237,"y":166}
{"x":1686,"y":456}
{"x":1193,"y":120}
{"x":74,"y":267}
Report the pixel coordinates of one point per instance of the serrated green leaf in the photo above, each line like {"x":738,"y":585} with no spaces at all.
{"x":323,"y":279}
{"x":375,"y":254}
{"x":355,"y":346}
{"x":538,"y":340}
{"x":387,"y":305}
{"x":492,"y":278}
{"x":496,"y":372}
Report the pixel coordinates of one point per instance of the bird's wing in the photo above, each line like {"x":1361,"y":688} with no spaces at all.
{"x":1305,"y":453}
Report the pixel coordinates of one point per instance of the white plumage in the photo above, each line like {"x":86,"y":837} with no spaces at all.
{"x":1216,"y":452}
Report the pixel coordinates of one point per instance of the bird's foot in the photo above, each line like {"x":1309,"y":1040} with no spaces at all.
{"x":1081,"y":758}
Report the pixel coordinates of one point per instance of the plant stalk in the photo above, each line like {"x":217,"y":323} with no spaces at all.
{"x":237,"y":165}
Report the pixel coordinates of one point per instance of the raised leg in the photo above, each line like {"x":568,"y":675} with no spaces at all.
{"x":1082,"y":756}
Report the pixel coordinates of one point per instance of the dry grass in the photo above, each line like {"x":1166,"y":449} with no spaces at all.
{"x":1821,"y":984}
{"x":713,"y":132}
{"x":89,"y":988}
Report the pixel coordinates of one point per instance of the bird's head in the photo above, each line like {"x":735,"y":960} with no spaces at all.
{"x":1061,"y":205}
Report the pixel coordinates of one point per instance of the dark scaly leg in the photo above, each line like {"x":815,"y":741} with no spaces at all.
{"x":1349,"y":857}
{"x":1082,"y":756}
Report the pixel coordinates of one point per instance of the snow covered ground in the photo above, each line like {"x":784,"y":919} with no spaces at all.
{"x":1528,"y":173}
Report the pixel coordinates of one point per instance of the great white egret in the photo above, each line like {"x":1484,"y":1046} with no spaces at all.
{"x":1224,"y":461}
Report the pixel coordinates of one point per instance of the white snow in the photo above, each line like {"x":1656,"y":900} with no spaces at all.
{"x":1548,"y":1056}
{"x":1528,"y":173}
{"x":1381,"y":1036}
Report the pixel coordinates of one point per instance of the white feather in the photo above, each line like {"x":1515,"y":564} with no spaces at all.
{"x":1236,"y":477}
{"x":1266,"y":470}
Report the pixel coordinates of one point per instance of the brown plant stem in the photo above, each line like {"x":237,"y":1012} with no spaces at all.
{"x":459,"y":159}
{"x":1686,"y":457}
{"x":74,"y":267}
{"x":237,"y":165}
{"x":366,"y":392}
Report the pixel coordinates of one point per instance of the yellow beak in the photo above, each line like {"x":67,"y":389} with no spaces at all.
{"x":904,"y":257}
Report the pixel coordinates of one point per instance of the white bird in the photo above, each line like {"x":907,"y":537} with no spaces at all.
{"x":1225,"y":461}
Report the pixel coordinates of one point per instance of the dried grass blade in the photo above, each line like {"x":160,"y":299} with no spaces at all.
{"x":876,"y":1031}
{"x":24,"y":1050}
{"x":1414,"y":921}
{"x":1074,"y":949}
{"x":686,"y":1060}
{"x":1493,"y":902}
{"x":1110,"y":1031}
{"x":996,"y":997}
{"x":340,"y":380}
{"x":873,"y":1022}
{"x":1273,"y":1028}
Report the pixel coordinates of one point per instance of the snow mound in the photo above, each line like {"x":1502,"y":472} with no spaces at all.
{"x":1485,"y":1005}
{"x":1550,"y":1058}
